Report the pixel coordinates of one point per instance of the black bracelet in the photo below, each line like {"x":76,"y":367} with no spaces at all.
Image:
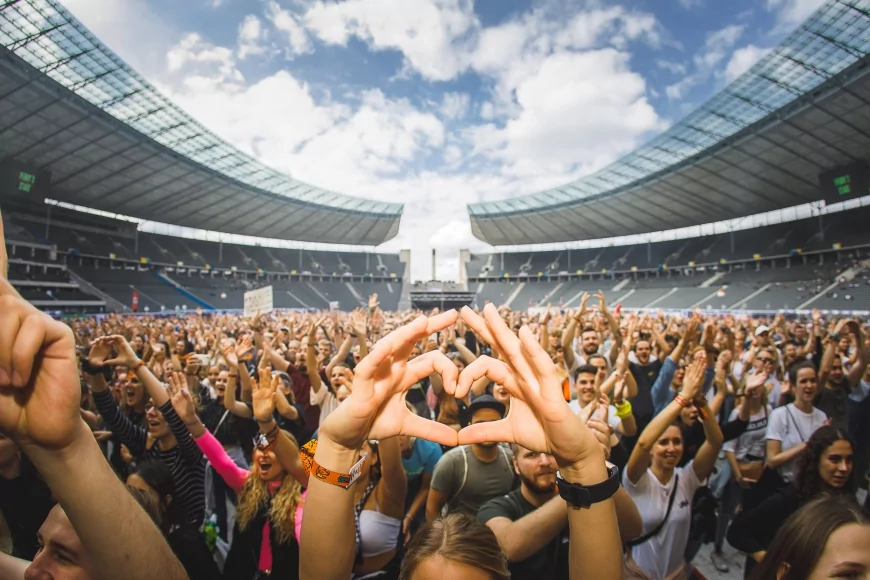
{"x":264,"y":422}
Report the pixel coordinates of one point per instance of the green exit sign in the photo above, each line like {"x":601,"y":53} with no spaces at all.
{"x":842,"y":183}
{"x":26,"y":181}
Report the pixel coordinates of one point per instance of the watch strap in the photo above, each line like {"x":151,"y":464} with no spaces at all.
{"x":583,"y":496}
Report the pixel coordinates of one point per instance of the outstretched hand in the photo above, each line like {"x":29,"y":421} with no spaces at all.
{"x":263,"y":395}
{"x":539,"y":418}
{"x":376,"y":407}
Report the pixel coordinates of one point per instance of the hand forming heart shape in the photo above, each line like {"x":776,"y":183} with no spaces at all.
{"x":539,"y":418}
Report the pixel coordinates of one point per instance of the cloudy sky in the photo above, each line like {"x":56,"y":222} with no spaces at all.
{"x":437,"y":103}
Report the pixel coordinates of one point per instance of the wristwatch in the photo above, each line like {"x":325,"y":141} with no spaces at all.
{"x":583,"y":496}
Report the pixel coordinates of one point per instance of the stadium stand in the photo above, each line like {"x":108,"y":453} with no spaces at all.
{"x":38,"y":274}
{"x":799,"y":264}
{"x":170,"y":273}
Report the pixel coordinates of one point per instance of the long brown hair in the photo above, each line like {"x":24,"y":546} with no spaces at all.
{"x":282,"y":506}
{"x":458,"y":538}
{"x":800,"y":541}
{"x":808,"y":479}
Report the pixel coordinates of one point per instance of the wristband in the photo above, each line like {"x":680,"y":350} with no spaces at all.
{"x":623,"y":410}
{"x":266,"y":422}
{"x":312,"y":468}
{"x":135,"y":370}
{"x":681,"y":401}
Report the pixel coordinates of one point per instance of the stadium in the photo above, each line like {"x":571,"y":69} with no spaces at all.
{"x":754,"y":202}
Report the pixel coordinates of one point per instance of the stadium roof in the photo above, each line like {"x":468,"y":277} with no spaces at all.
{"x":112,"y":142}
{"x":756,"y":146}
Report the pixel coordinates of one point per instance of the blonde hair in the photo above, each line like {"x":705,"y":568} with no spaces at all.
{"x":282,"y":506}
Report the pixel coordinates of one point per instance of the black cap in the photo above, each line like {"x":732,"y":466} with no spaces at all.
{"x":486,"y":402}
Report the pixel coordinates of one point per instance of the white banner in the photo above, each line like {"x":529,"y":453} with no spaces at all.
{"x":333,"y":306}
{"x":258,"y":301}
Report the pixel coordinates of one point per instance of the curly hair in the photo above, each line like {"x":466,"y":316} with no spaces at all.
{"x":282,"y":505}
{"x":808,"y":480}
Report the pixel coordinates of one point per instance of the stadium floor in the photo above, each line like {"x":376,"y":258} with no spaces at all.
{"x":704,"y":565}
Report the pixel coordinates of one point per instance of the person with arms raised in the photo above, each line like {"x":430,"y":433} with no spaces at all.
{"x":539,"y":419}
{"x":662,"y":491}
{"x":165,"y":438}
{"x":269,"y":514}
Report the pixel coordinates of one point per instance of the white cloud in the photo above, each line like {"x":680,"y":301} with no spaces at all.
{"x":578,"y":111}
{"x":676,"y":68}
{"x":791,"y":13}
{"x":424,"y":31}
{"x":251,"y":36}
{"x":202,"y":60}
{"x":454,"y":105}
{"x":562,"y":101}
{"x":742,"y":60}
{"x":717,"y":45}
{"x":291,"y":25}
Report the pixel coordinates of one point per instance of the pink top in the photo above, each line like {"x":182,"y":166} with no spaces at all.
{"x":234,"y":476}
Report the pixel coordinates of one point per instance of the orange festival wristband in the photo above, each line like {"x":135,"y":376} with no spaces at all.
{"x":314,"y":469}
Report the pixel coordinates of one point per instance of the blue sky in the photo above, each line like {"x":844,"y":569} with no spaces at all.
{"x":437,"y":103}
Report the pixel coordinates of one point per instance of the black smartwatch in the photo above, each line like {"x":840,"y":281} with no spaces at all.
{"x":583,"y":496}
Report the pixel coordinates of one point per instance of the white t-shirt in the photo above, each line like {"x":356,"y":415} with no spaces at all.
{"x":752,"y":441}
{"x":663,"y":554}
{"x":325,"y":400}
{"x":612,"y":419}
{"x":791,"y":427}
{"x":860,"y":392}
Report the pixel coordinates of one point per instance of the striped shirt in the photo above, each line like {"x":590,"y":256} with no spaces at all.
{"x":185,"y":460}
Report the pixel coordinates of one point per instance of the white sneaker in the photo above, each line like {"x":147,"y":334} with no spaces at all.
{"x":719,"y":561}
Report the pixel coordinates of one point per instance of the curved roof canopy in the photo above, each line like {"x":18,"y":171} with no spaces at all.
{"x":111,"y":141}
{"x":756,"y":146}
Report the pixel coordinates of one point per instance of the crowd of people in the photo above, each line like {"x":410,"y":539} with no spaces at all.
{"x":590,"y":443}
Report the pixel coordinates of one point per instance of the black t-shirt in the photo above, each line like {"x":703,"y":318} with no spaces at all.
{"x":644,"y":376}
{"x":25,"y":502}
{"x":834,"y":403}
{"x":549,"y":563}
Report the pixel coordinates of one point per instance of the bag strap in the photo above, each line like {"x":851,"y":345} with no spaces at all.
{"x":649,"y":535}
{"x":793,"y":420}
{"x":221,"y":422}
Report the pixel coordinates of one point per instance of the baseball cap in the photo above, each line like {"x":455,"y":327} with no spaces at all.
{"x":486,"y":402}
{"x":761,"y":330}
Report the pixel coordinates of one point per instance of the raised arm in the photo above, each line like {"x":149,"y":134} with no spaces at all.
{"x":43,"y":419}
{"x":230,"y":403}
{"x":541,"y":420}
{"x":130,"y":435}
{"x":856,"y":373}
{"x":640,"y":456}
{"x":232,"y":474}
{"x":263,"y":403}
{"x":311,"y":362}
{"x":709,"y":451}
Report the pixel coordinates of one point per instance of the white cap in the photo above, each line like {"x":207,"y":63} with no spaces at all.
{"x":761,"y":330}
